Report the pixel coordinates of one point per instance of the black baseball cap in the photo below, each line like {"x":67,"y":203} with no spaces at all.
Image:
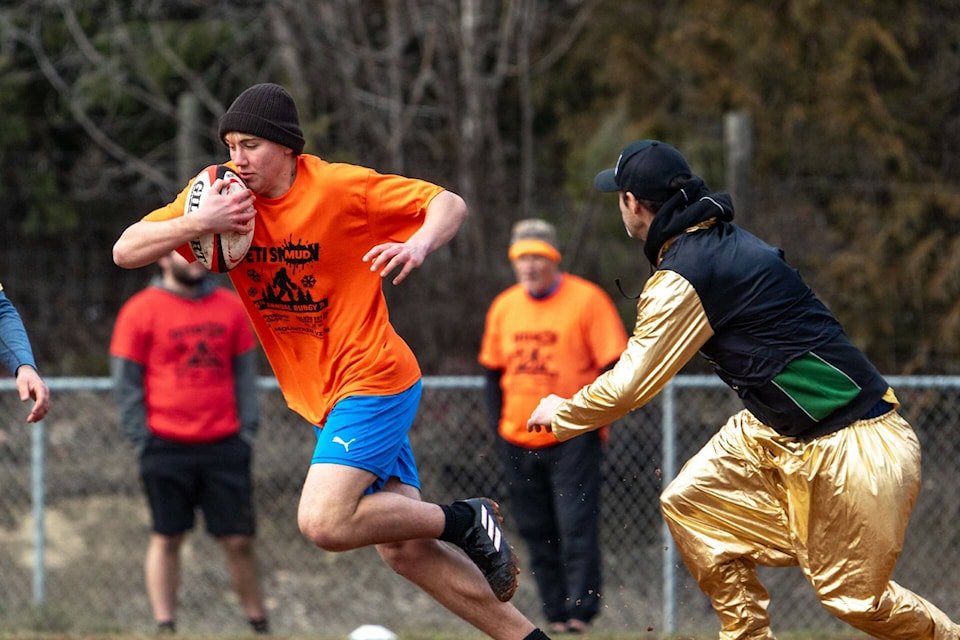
{"x":645,"y":168}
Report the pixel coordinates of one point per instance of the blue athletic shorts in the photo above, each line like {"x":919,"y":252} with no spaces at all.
{"x":370,"y":433}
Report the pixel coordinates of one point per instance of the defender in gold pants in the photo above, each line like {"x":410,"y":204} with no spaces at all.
{"x":751,"y":496}
{"x":818,"y":470}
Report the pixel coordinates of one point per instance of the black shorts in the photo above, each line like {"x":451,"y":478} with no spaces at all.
{"x":215,"y":477}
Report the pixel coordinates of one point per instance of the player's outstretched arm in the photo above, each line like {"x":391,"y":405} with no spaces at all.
{"x":445,"y":213}
{"x":542,"y":416}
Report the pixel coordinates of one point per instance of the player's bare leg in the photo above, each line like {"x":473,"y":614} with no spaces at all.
{"x":336,"y":516}
{"x":452,"y":579}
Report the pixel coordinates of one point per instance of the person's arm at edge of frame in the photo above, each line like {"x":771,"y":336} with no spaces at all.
{"x":671,"y":327}
{"x":17,"y":355}
{"x":445,"y":213}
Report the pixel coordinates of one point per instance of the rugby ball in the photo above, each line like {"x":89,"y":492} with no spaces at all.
{"x":217,"y":251}
{"x":372,"y":632}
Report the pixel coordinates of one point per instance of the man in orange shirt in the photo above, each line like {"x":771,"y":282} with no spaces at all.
{"x":326,"y":234}
{"x":552,"y":332}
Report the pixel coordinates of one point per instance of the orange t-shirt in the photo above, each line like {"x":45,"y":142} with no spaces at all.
{"x":186,"y":347}
{"x":553,"y":345}
{"x":316,"y":307}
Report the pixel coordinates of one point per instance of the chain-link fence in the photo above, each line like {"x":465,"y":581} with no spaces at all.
{"x":74,"y":528}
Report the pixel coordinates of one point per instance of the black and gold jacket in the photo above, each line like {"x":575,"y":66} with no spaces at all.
{"x":722,"y":292}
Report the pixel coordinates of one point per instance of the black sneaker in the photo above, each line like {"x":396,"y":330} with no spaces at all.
{"x":485,"y":544}
{"x":166,"y":628}
{"x":260,"y":625}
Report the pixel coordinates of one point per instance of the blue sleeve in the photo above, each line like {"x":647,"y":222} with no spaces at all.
{"x":14,"y":345}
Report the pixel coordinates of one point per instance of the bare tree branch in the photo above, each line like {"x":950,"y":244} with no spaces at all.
{"x":114,"y":149}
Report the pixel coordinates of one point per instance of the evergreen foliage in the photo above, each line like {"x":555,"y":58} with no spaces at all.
{"x":855,"y":110}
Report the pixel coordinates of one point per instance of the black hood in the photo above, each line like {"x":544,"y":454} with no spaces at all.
{"x":691,"y":205}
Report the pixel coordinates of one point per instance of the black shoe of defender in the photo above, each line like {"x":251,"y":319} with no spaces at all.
{"x":485,"y":544}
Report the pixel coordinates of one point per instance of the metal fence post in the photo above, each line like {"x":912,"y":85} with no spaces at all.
{"x":668,"y":469}
{"x":38,"y":439}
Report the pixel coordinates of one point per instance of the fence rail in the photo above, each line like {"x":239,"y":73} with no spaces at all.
{"x":74,"y":527}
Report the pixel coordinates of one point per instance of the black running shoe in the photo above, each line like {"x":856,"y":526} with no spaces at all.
{"x":166,"y":628}
{"x":485,"y":544}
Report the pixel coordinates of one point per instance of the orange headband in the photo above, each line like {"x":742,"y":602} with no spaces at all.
{"x":534,"y":247}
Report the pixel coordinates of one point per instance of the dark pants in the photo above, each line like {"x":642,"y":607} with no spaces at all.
{"x":555,"y":495}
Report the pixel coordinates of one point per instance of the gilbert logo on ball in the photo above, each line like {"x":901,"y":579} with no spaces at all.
{"x":217,"y":251}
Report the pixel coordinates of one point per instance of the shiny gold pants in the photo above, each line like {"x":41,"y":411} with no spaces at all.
{"x":837,"y":506}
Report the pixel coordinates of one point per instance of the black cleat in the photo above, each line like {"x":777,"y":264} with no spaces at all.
{"x":485,"y":544}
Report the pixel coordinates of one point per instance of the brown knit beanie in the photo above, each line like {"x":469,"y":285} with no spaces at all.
{"x":266,"y":111}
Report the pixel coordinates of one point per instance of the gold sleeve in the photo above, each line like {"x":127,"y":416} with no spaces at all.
{"x":671,"y":327}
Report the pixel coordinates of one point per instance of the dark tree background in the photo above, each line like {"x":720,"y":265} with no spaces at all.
{"x":109,"y":107}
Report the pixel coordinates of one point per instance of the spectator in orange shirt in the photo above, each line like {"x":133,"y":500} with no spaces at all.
{"x":551,"y":331}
